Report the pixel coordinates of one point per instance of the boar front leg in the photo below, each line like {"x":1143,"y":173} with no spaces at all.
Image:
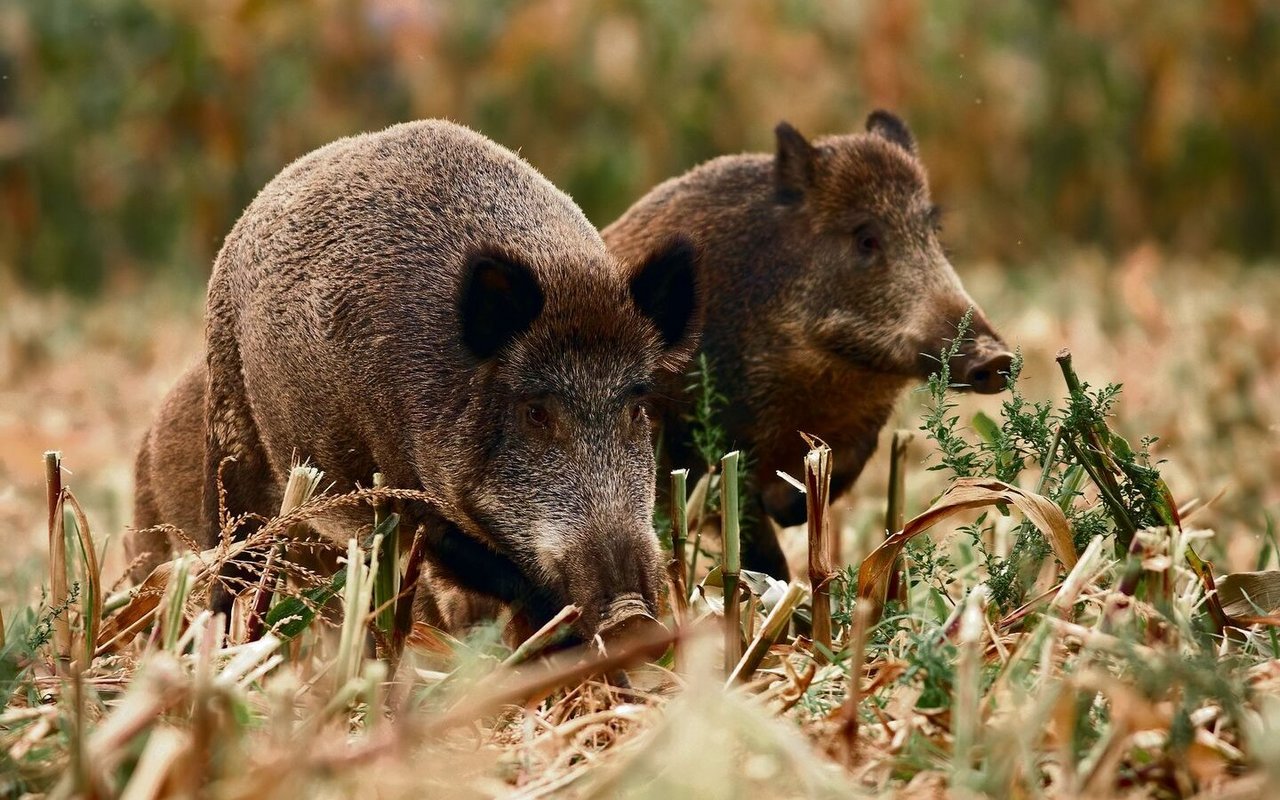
{"x":760,"y":548}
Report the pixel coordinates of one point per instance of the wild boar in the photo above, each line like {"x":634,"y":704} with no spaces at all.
{"x":827,"y":292}
{"x":420,"y":302}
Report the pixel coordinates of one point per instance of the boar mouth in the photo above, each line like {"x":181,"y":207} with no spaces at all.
{"x":888,"y":361}
{"x":977,"y":372}
{"x":482,"y":567}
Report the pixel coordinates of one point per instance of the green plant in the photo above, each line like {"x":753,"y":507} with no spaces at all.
{"x":710,"y":442}
{"x":1061,"y":446}
{"x":42,"y":632}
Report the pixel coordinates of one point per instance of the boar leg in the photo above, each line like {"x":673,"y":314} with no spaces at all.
{"x":760,"y":548}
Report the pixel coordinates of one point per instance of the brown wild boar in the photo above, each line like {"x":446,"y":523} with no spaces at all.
{"x":421,"y":302}
{"x":827,"y":292}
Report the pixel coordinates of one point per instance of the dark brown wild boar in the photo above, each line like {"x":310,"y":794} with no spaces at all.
{"x":827,"y":292}
{"x":423,"y":303}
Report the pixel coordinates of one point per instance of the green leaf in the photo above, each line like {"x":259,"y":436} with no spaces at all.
{"x":386,"y":528}
{"x":1120,"y":446}
{"x":986,"y":428}
{"x":293,"y":615}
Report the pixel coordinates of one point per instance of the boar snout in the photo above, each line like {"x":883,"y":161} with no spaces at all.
{"x":983,"y":361}
{"x":614,"y":580}
{"x":983,"y":366}
{"x":628,"y":619}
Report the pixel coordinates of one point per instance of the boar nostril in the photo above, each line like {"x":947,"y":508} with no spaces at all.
{"x":988,"y":374}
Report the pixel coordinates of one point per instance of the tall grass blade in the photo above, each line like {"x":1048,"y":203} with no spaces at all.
{"x":967,"y":709}
{"x":175,"y":603}
{"x":354,"y":609}
{"x":895,"y":507}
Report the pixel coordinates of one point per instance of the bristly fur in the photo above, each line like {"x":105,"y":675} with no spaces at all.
{"x":399,"y":302}
{"x":825,"y":282}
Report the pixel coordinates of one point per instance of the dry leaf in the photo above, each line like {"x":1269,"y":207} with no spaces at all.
{"x":964,"y":494}
{"x":1251,"y":598}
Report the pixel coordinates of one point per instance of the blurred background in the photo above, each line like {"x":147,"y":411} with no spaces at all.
{"x":1110,"y":172}
{"x":132,"y":132}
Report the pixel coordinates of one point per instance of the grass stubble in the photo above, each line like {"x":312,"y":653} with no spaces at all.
{"x":1066,"y":640}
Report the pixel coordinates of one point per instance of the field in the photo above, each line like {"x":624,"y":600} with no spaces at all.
{"x":1113,"y":680}
{"x":1097,"y":618}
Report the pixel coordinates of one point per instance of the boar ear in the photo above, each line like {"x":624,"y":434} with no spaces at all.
{"x":668,"y":290}
{"x":891,"y":127}
{"x":500,"y":300}
{"x":793,"y":164}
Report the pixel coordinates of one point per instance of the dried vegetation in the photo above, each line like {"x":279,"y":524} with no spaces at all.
{"x":1055,"y":615}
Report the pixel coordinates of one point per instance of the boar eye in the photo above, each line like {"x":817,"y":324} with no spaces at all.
{"x":538,"y":415}
{"x":639,"y":398}
{"x":934,"y":218}
{"x":867,"y":241}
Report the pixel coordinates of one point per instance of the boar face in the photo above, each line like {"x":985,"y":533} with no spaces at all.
{"x":566,"y":484}
{"x":874,"y":283}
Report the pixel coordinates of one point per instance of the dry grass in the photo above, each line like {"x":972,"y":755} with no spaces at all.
{"x":1093,"y":690}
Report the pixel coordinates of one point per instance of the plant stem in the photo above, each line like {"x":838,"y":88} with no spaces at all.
{"x":1049,"y":459}
{"x":817,"y":481}
{"x":303,"y":482}
{"x":857,"y":655}
{"x":1126,"y":528}
{"x":1096,"y":457}
{"x":387,"y":586}
{"x":52,"y":479}
{"x":58,"y":591}
{"x":895,"y":508}
{"x":404,"y":606}
{"x":553,"y":631}
{"x":698,"y":500}
{"x":773,"y":627}
{"x":679,"y":534}
{"x":732,"y":562}
{"x":1204,"y":571}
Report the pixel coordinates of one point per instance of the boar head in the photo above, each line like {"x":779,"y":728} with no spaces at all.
{"x":563,"y":486}
{"x":875,"y":286}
